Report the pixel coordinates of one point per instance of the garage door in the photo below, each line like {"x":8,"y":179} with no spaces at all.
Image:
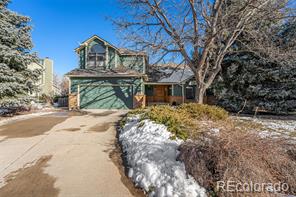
{"x":106,"y":97}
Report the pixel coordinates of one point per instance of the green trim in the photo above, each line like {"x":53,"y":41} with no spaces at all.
{"x":105,"y":85}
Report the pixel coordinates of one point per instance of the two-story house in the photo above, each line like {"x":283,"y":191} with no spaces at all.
{"x":46,"y":82}
{"x":108,"y":77}
{"x":114,"y":78}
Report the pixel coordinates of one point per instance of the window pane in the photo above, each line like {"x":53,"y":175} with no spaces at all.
{"x":170,"y":91}
{"x":189,"y":93}
{"x":97,"y":48}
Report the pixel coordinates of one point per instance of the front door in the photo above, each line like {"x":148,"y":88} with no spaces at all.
{"x":160,"y":93}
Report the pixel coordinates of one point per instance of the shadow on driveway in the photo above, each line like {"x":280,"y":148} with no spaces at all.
{"x":30,"y":181}
{"x":30,"y":127}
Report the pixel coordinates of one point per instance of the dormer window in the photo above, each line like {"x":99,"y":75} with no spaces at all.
{"x":96,"y":56}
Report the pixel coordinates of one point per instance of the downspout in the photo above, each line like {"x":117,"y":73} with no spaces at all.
{"x":78,"y":97}
{"x":69,"y":84}
{"x":107,"y":57}
{"x":85,"y":55}
{"x":115,"y":59}
{"x":144,"y":65}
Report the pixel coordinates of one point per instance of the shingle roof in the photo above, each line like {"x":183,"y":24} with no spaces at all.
{"x":124,"y":51}
{"x":169,"y":74}
{"x":120,"y":72}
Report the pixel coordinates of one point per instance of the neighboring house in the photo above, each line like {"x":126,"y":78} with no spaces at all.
{"x":45,"y":83}
{"x":114,"y":78}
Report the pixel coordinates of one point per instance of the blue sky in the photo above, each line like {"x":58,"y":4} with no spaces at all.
{"x":59,"y":26}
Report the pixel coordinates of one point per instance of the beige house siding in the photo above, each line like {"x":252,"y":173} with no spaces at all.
{"x":46,"y":80}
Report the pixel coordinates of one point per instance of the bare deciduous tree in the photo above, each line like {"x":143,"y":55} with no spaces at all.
{"x":56,"y":80}
{"x":198,"y":33}
{"x":64,"y":85}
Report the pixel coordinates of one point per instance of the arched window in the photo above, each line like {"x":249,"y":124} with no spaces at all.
{"x":96,"y":56}
{"x":97,"y":48}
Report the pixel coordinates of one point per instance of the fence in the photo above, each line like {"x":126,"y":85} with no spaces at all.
{"x":63,"y":102}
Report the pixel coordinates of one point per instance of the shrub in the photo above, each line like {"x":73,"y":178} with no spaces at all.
{"x":122,"y":122}
{"x":179,"y":123}
{"x":136,"y":111}
{"x":200,"y":111}
{"x":239,"y":156}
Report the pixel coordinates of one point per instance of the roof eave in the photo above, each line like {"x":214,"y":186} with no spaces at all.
{"x":135,"y":54}
{"x":96,"y":76}
{"x":92,"y":38}
{"x":107,"y":44}
{"x":161,"y":83}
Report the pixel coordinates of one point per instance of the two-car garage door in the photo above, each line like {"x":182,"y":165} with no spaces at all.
{"x":105,"y":96}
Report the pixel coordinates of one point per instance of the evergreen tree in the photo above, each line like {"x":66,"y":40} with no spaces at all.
{"x":249,"y":80}
{"x":16,"y":80}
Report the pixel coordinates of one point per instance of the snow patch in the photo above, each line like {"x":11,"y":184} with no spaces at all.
{"x":275,"y":128}
{"x":151,"y":157}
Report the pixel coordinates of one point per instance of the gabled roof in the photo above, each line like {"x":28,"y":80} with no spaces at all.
{"x":169,"y":74}
{"x":93,"y":38}
{"x":122,"y":51}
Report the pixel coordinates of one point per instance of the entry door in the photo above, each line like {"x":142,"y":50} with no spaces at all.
{"x":160,"y":93}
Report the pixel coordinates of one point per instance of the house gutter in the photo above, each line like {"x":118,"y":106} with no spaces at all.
{"x":157,"y":83}
{"x":107,"y":76}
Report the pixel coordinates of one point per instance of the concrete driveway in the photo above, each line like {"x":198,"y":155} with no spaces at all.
{"x":63,"y":154}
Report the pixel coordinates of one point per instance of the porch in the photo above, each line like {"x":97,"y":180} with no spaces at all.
{"x":169,"y":94}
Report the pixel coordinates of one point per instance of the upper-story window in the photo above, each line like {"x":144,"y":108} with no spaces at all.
{"x":96,"y":56}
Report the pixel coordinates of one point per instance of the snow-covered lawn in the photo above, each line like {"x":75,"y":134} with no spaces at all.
{"x":151,"y":158}
{"x":271,"y":127}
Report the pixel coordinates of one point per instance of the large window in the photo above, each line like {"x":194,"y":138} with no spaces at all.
{"x":170,"y":93}
{"x":96,"y":56}
{"x":149,"y":90}
{"x":189,"y":93}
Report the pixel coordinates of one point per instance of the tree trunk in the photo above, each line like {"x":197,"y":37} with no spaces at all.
{"x":200,"y":92}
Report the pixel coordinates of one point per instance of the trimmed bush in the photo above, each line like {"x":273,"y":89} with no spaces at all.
{"x":136,"y":111}
{"x":199,"y":111}
{"x":181,"y":121}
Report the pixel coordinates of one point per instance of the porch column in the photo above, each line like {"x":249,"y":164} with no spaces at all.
{"x":183,"y":93}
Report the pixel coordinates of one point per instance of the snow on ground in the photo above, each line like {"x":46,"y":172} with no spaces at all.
{"x":151,"y":158}
{"x":272,"y":127}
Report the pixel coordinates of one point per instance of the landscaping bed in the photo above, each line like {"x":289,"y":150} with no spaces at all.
{"x":151,"y":158}
{"x":189,"y":149}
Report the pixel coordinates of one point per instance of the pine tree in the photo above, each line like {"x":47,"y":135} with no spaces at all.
{"x":16,"y":80}
{"x":249,"y":81}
